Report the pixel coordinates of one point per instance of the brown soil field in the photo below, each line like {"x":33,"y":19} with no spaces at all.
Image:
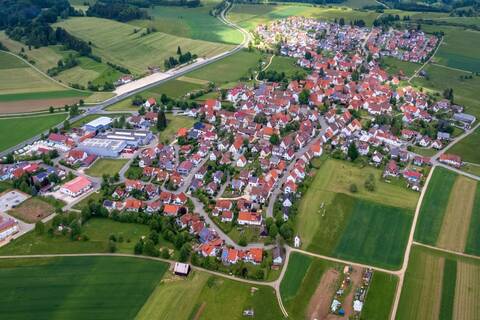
{"x":456,"y":222}
{"x":34,"y":105}
{"x":319,"y":306}
{"x":32,"y":210}
{"x":467,"y":291}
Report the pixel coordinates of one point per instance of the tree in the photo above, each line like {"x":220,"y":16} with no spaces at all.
{"x":165,"y":253}
{"x":179,"y":51}
{"x":149,"y":249}
{"x":353,"y":188}
{"x":303,"y":96}
{"x":66,"y":125}
{"x":352,"y":151}
{"x":184,"y":252}
{"x":138,"y":249}
{"x":273,"y":231}
{"x":275,"y":139}
{"x":370,"y":183}
{"x":51,"y":109}
{"x":161,"y":121}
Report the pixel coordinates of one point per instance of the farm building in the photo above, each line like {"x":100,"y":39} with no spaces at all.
{"x":465,"y":118}
{"x":181,"y":269}
{"x":103,"y":147}
{"x":76,"y":187}
{"x":99,"y":124}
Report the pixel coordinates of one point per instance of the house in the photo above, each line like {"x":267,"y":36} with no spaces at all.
{"x":8,"y":227}
{"x":391,"y":170}
{"x":75,"y":156}
{"x":451,"y":159}
{"x":171,"y":210}
{"x":133,"y":205}
{"x":241,"y":162}
{"x":377,"y":158}
{"x":150,"y":102}
{"x":278,"y":256}
{"x":76,"y":187}
{"x":227,"y":216}
{"x":185,"y":167}
{"x":249,"y":218}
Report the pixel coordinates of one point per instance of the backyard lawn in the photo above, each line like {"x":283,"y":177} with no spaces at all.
{"x":106,"y":166}
{"x":173,"y":124}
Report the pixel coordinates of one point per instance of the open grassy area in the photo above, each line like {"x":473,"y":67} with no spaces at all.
{"x":434,"y":204}
{"x":380,"y":297}
{"x":173,"y":124}
{"x":17,"y":129}
{"x":76,"y":287}
{"x":249,"y":15}
{"x":176,"y":88}
{"x":98,"y":231}
{"x":467,"y":147}
{"x":394,"y":66}
{"x":194,"y":23}
{"x":473,"y":238}
{"x":440,"y":78}
{"x":440,"y":286}
{"x":285,"y":64}
{"x":106,"y":166}
{"x":18,"y":77}
{"x":32,"y":210}
{"x":119,"y":43}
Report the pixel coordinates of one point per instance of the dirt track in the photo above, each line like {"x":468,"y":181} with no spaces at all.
{"x":34,"y":105}
{"x":319,"y":305}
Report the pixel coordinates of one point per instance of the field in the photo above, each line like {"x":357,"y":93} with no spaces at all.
{"x":249,"y":16}
{"x":393,"y":66}
{"x":173,"y":124}
{"x":77,"y":287}
{"x":285,"y":64}
{"x":449,"y":213}
{"x":467,"y":147}
{"x":329,"y":211}
{"x":17,"y":129}
{"x":440,"y":286}
{"x":464,"y":89}
{"x":32,"y":210}
{"x":98,"y":231}
{"x":106,"y":166}
{"x":380,"y":297}
{"x":201,"y":296}
{"x":194,"y":23}
{"x":121,"y":44}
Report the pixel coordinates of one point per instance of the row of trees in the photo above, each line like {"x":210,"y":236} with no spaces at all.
{"x":182,"y":58}
{"x":116,"y":10}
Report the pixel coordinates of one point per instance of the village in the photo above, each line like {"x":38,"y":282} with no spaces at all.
{"x":240,"y":169}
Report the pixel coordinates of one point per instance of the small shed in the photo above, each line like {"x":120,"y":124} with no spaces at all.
{"x":181,"y":269}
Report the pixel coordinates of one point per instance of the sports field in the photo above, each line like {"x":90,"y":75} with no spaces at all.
{"x":194,"y":23}
{"x":106,"y":166}
{"x":449,"y":213}
{"x":440,"y":286}
{"x":249,"y":16}
{"x":121,"y":44}
{"x":467,"y":147}
{"x":334,"y":221}
{"x":76,"y":287}
{"x":98,"y":231}
{"x":201,"y":296}
{"x":17,"y":129}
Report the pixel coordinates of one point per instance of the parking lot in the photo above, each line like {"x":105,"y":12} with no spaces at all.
{"x":11,"y":199}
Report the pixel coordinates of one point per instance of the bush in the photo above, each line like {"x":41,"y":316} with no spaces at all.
{"x":353,"y":188}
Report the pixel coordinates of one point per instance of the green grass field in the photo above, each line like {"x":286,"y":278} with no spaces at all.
{"x":473,"y":239}
{"x":176,"y":88}
{"x":393,"y":66}
{"x":467,"y":147}
{"x":433,"y":206}
{"x":87,"y":71}
{"x":106,"y":166}
{"x":300,"y":282}
{"x":439,"y":286}
{"x":249,"y":16}
{"x":17,"y":129}
{"x":378,"y":304}
{"x":375,"y":234}
{"x":18,"y":77}
{"x":98,"y":231}
{"x":76,"y":287}
{"x":285,"y":64}
{"x":118,"y":43}
{"x":194,"y":23}
{"x":464,"y":90}
{"x":173,"y":124}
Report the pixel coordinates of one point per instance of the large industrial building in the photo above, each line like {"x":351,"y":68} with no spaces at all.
{"x":99,"y":124}
{"x":133,"y":138}
{"x":103,"y":147}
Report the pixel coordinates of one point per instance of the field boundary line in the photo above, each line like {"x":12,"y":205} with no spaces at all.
{"x":406,"y":256}
{"x":415,"y":74}
{"x":457,"y":253}
{"x":451,"y":68}
{"x":43,"y":73}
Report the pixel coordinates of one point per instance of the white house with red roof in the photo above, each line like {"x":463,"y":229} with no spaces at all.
{"x":76,"y":187}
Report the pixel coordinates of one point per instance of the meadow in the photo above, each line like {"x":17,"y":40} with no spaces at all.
{"x":14,"y":130}
{"x":249,"y":16}
{"x":173,"y":124}
{"x":464,"y":90}
{"x":194,"y":23}
{"x":201,"y":296}
{"x":77,"y":287}
{"x":378,"y":304}
{"x":285,"y":64}
{"x":125,"y":45}
{"x":98,"y":231}
{"x":106,"y":166}
{"x":467,"y":147}
{"x":440,"y":286}
{"x":394,"y":66}
{"x":449,"y":213}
